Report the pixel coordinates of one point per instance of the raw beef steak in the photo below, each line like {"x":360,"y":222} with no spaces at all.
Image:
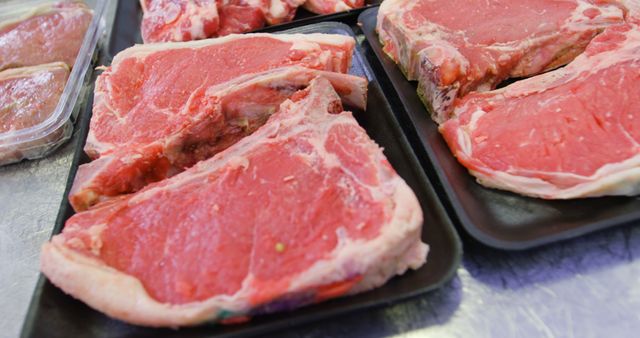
{"x":178,"y":20}
{"x":28,"y":96}
{"x":573,"y":132}
{"x":332,"y":6}
{"x":239,"y":16}
{"x":49,"y":33}
{"x":453,"y":47}
{"x":305,"y":209}
{"x":278,"y":11}
{"x":186,"y":20}
{"x":152,"y":104}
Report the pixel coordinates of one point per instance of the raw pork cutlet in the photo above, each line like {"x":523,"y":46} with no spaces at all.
{"x":573,"y":132}
{"x":217,"y":118}
{"x":453,"y":47}
{"x":332,"y":6}
{"x":159,"y":95}
{"x":270,"y":243}
{"x":28,"y":96}
{"x":178,"y":20}
{"x":49,"y":33}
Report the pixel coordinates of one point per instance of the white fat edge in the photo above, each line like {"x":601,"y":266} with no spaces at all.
{"x":299,"y":77}
{"x":13,"y":73}
{"x":122,"y":295}
{"x":277,"y":9}
{"x":464,"y":142}
{"x":143,"y":50}
{"x":197,"y":15}
{"x":579,"y":22}
{"x":378,"y":259}
{"x":621,"y":178}
{"x":473,"y":123}
{"x":21,"y":13}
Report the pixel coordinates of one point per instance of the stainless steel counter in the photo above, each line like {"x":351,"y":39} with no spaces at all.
{"x":586,"y":287}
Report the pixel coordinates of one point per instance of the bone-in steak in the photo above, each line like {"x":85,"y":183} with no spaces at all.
{"x":453,"y":47}
{"x":573,"y":132}
{"x":304,"y":209}
{"x":156,"y":109}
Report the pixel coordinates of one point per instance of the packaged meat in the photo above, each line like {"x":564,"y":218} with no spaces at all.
{"x":44,"y":33}
{"x":26,"y":38}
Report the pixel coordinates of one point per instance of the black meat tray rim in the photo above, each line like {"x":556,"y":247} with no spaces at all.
{"x":413,"y":111}
{"x":451,"y":259}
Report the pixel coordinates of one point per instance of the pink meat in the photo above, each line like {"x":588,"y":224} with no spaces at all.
{"x":49,"y":33}
{"x":239,"y":16}
{"x":455,"y":47}
{"x":332,"y":6}
{"x":29,"y":95}
{"x":178,"y":20}
{"x":570,"y":133}
{"x":157,"y":111}
{"x":240,"y":233}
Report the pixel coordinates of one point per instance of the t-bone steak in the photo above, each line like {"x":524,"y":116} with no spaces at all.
{"x":220,"y":116}
{"x":332,"y":6}
{"x":178,"y":20}
{"x":51,"y":32}
{"x":453,"y":47}
{"x":305,"y":209}
{"x":573,"y":132}
{"x":156,"y":109}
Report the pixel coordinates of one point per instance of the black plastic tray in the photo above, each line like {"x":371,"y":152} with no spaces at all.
{"x":54,"y":314}
{"x":496,"y":218}
{"x":130,"y":13}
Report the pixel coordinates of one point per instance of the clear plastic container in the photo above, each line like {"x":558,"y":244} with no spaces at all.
{"x":41,"y":139}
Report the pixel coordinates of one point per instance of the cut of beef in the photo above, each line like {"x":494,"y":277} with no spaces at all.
{"x":278,"y":11}
{"x":29,"y":95}
{"x":331,"y":6}
{"x":151,"y":105}
{"x":178,"y":20}
{"x":454,"y":47}
{"x":49,"y":33}
{"x":239,"y":16}
{"x":305,"y":209}
{"x":186,"y":20}
{"x":573,"y":132}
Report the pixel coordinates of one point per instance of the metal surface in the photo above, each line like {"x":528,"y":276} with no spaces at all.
{"x":586,"y":287}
